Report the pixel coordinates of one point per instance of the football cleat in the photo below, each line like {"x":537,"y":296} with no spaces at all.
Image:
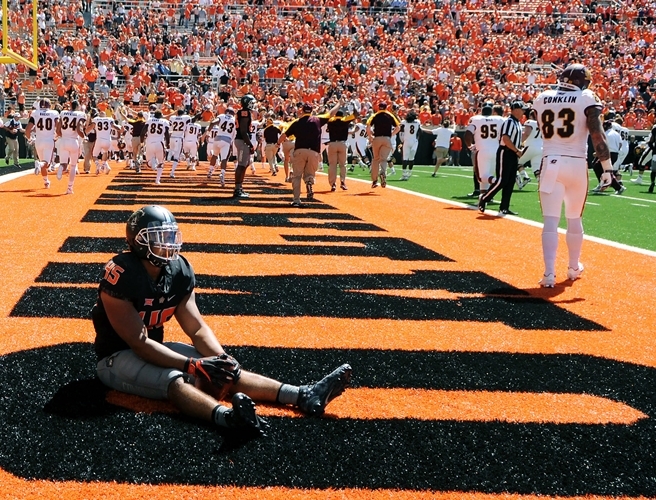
{"x":243,"y":416}
{"x":69,"y":191}
{"x":637,"y":180}
{"x":374,"y":184}
{"x":240,"y":193}
{"x":310,"y":191}
{"x":383,"y":181}
{"x":574,"y":274}
{"x":297,"y":204}
{"x":548,"y":281}
{"x":313,"y":398}
{"x":343,"y":186}
{"x":620,"y":190}
{"x":60,"y":172}
{"x":651,"y":188}
{"x":333,"y":188}
{"x":481,"y":206}
{"x":46,"y":184}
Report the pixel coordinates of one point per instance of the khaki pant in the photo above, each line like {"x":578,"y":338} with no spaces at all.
{"x":304,"y":164}
{"x":381,"y":147}
{"x":336,"y":156}
{"x":12,"y":150}
{"x":270,"y":151}
{"x":87,"y":148}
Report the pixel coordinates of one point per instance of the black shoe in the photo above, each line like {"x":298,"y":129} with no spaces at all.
{"x":297,"y":204}
{"x":374,"y":184}
{"x":507,"y":212}
{"x":333,"y":187}
{"x":313,"y":398}
{"x":7,"y":161}
{"x":343,"y":186}
{"x":310,"y":192}
{"x":433,"y":175}
{"x":475,"y":194}
{"x":383,"y":181}
{"x":240,"y":193}
{"x":481,"y":207}
{"x":651,"y":188}
{"x":243,"y":416}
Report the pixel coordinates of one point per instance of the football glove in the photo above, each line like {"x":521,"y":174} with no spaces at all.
{"x":220,"y":370}
{"x":606,"y":179}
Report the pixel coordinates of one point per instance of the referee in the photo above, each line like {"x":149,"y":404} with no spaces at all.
{"x":507,"y":161}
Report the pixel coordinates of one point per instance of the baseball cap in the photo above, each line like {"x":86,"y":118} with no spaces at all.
{"x":517,"y":105}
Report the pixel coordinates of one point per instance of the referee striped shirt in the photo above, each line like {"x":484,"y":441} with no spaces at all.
{"x":512,"y":127}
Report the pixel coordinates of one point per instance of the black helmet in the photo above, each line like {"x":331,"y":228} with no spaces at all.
{"x":153,"y":234}
{"x":577,"y":75}
{"x":248,"y":101}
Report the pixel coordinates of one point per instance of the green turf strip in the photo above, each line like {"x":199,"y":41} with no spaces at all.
{"x":628,"y":218}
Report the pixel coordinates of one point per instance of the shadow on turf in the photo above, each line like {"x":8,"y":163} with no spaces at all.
{"x":57,"y":426}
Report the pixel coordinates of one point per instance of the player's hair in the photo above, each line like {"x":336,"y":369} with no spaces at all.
{"x":411,"y":116}
{"x":180,"y":112}
{"x":157,"y":114}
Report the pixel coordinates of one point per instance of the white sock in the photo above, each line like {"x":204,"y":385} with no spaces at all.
{"x":574,"y":239}
{"x":160,"y":169}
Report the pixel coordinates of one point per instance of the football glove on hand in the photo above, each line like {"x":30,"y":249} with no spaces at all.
{"x":220,"y":370}
{"x":606,"y":179}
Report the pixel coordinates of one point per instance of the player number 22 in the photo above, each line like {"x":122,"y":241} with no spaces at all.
{"x":548,"y":117}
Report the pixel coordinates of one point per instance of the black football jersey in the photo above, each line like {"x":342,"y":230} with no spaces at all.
{"x":126,"y":278}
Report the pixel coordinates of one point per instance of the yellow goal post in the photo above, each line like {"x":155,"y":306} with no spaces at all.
{"x":8,"y":56}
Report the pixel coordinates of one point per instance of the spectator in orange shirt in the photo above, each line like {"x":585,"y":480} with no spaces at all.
{"x":455,"y":147}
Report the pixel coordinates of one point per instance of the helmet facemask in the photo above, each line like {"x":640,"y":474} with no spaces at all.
{"x":159,"y":244}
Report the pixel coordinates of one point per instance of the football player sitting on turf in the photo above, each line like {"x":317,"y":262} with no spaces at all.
{"x":140,"y":291}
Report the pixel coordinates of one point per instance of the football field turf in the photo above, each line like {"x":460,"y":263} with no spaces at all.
{"x":469,"y":380}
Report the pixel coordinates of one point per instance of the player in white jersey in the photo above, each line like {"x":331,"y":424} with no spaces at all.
{"x":618,"y":126}
{"x":532,"y":141}
{"x":358,"y":141}
{"x":44,"y":123}
{"x":102,"y":125}
{"x":410,"y":140}
{"x":221,"y":134}
{"x":566,"y":115}
{"x":127,"y":144}
{"x":256,"y":139}
{"x":190,"y":144}
{"x":483,"y":136}
{"x":115,"y":137}
{"x":325,"y":139}
{"x":178,"y":123}
{"x":71,"y":132}
{"x":156,"y":135}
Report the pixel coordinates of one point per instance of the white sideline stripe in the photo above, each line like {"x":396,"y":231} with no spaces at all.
{"x":639,"y":205}
{"x":16,"y":175}
{"x":602,"y":241}
{"x":590,"y":203}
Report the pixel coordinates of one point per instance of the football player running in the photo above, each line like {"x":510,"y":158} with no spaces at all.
{"x":44,"y":123}
{"x":220,"y":136}
{"x":566,"y":115}
{"x":410,"y":132}
{"x":155,"y":133}
{"x":144,"y":288}
{"x":178,"y":123}
{"x":70,"y":128}
{"x":102,"y":125}
{"x":190,"y":144}
{"x":532,"y":140}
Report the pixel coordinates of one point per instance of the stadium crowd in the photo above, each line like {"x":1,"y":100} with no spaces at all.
{"x":439,"y":60}
{"x":449,"y":56}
